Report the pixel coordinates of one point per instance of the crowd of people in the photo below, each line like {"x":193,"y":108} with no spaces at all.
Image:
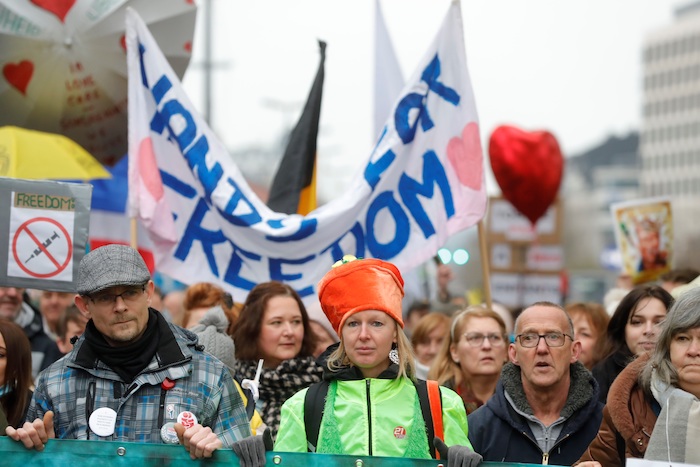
{"x":588,"y":384}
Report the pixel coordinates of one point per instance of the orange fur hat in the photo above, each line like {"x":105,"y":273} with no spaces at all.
{"x":358,"y":285}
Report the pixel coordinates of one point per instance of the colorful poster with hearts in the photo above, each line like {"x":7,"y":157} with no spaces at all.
{"x":644,"y":235}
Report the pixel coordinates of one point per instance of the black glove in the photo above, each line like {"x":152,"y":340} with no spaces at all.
{"x":251,"y":450}
{"x":457,"y":456}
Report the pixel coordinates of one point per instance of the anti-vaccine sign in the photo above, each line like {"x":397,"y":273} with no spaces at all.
{"x":43,"y":232}
{"x":422,"y":182}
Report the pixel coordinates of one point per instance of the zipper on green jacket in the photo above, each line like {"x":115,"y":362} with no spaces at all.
{"x":369,"y":418}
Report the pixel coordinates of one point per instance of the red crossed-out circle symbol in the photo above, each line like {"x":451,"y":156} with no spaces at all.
{"x":24,"y":229}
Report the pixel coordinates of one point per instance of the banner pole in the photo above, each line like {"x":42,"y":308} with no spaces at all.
{"x":485,"y":270}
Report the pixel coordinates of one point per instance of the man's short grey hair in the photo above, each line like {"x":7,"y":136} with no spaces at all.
{"x":549,"y":305}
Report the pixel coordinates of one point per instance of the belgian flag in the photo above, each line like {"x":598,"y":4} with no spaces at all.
{"x":294,"y":187}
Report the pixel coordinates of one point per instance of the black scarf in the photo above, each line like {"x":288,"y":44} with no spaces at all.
{"x":127,"y":361}
{"x":279,"y":384}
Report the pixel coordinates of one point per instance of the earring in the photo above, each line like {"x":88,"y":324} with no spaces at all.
{"x":394,"y":355}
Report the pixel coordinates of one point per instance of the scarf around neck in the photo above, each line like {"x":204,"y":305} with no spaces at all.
{"x":677,"y":429}
{"x":279,"y":384}
{"x":128,"y":360}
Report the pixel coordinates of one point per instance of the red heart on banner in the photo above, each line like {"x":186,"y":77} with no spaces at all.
{"x":528,"y":167}
{"x":60,"y":8}
{"x":466,"y":157}
{"x":19,"y":74}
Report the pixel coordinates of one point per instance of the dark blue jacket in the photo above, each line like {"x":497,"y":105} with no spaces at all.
{"x":500,"y":434}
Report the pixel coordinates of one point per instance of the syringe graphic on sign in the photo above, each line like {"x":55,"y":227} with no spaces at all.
{"x":45,"y":244}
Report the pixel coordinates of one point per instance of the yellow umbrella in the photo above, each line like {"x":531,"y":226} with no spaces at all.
{"x":38,"y":155}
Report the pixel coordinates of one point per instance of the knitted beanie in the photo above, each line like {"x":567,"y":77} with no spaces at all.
{"x":211,"y":332}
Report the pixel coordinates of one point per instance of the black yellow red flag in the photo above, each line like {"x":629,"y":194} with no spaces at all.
{"x":294,"y":186}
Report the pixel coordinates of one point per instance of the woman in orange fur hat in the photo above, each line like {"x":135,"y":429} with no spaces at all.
{"x":369,"y":404}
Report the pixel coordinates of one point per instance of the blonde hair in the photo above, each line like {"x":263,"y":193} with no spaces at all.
{"x":444,"y":368}
{"x":407,"y":367}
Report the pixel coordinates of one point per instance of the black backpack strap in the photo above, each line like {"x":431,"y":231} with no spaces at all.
{"x":422,"y":390}
{"x":314,"y":403}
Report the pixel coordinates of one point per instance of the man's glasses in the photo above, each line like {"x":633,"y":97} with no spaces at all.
{"x":129,"y":296}
{"x":552,"y":339}
{"x":476,"y":339}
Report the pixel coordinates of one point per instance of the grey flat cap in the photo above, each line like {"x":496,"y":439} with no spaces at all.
{"x":111,"y":266}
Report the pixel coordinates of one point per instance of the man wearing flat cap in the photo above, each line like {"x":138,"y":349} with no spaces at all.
{"x":132,"y":376}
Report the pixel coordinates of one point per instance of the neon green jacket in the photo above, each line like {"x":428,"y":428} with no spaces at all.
{"x":374,"y":417}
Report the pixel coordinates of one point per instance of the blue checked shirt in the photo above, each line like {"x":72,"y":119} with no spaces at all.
{"x":203,"y":386}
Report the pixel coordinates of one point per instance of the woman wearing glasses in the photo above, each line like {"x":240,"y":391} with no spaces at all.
{"x":472,"y":357}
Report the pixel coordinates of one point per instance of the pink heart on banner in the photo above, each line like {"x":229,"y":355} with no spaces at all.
{"x":466,"y":157}
{"x":19,"y":75}
{"x":60,"y":8}
{"x":148,"y":169}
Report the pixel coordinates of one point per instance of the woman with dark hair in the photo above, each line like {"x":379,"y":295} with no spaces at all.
{"x":653,"y":408}
{"x":15,"y":372}
{"x":632,"y":332}
{"x":273,"y":326}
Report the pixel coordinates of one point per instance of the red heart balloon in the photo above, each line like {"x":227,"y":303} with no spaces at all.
{"x":528,"y":167}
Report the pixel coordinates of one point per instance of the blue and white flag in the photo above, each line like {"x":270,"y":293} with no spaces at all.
{"x":423,"y":182}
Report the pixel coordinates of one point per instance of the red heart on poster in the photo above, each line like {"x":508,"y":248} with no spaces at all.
{"x":466,"y":157}
{"x":19,"y":75}
{"x":60,"y":8}
{"x":528,"y":167}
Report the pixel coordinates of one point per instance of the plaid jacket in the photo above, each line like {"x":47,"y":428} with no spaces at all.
{"x":76,"y":385}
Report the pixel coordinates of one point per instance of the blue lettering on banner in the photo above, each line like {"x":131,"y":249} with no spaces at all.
{"x":195,"y":232}
{"x":336,"y":252}
{"x":142,"y":67}
{"x":177,"y":185}
{"x":307,"y":227}
{"x":196,"y":158}
{"x":232,"y":275}
{"x":401,"y":232}
{"x":276,"y":273}
{"x":417,"y":101}
{"x":252,"y":217}
{"x":374,"y":170}
{"x":409,"y":189}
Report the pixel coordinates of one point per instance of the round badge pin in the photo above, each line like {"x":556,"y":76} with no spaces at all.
{"x":102,"y":421}
{"x":168,"y":434}
{"x":399,"y":432}
{"x":187,"y":418}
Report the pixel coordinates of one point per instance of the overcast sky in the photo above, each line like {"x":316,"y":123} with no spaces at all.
{"x":570,"y":67}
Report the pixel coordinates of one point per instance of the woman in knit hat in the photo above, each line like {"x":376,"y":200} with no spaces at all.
{"x":371,"y":406}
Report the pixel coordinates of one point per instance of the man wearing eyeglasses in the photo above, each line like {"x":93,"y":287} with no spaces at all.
{"x":545,"y":409}
{"x":132,"y":376}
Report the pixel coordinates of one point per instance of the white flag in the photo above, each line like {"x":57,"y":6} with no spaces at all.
{"x":423,"y":182}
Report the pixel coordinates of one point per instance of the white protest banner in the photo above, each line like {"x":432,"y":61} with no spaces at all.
{"x":45,"y":229}
{"x":423,"y":182}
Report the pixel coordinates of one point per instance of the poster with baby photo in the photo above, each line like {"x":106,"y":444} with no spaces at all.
{"x":644,"y":235}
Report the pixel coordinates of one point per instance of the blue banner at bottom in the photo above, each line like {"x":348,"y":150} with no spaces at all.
{"x":69,"y":453}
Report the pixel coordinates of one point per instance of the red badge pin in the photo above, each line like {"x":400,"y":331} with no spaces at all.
{"x":399,"y":432}
{"x":167,"y":384}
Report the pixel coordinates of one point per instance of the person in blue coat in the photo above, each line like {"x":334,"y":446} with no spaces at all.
{"x":545,"y":409}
